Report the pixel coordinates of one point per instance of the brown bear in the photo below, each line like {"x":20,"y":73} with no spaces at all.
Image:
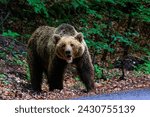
{"x":51,"y":49}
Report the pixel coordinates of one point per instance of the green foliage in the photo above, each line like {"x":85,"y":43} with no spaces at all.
{"x":143,"y":14}
{"x":15,"y":58}
{"x":99,"y":46}
{"x":39,"y":6}
{"x":15,"y":35}
{"x":145,"y":68}
{"x":2,"y":76}
{"x":122,"y":39}
{"x":3,"y":54}
{"x":4,"y":1}
{"x":79,"y":3}
{"x":98,"y":71}
{"x":77,"y":78}
{"x":10,"y":33}
{"x":17,"y":61}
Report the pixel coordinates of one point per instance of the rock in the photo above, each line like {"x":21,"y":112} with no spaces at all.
{"x":130,"y":62}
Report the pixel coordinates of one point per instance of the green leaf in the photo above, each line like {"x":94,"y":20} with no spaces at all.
{"x":98,"y":71}
{"x":2,"y":76}
{"x":39,"y":6}
{"x":10,"y":33}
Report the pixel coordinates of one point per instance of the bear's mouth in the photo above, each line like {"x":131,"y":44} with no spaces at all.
{"x":69,"y":59}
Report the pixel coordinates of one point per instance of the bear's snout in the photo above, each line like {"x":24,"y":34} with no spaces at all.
{"x":68,"y":52}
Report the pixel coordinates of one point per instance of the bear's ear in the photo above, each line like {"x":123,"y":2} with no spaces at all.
{"x":79,"y":37}
{"x":56,"y":38}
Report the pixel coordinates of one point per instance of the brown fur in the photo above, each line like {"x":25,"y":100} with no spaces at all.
{"x":48,"y":52}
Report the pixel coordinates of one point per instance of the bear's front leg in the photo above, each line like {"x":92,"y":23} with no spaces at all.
{"x":56,"y":74}
{"x":86,"y":72}
{"x":35,"y":70}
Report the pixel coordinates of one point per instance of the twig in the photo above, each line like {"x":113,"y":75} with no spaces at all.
{"x":5,"y":18}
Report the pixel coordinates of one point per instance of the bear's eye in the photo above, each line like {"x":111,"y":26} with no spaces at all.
{"x":72,"y":45}
{"x":63,"y":45}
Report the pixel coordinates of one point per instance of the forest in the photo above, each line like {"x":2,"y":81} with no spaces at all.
{"x":117,"y":33}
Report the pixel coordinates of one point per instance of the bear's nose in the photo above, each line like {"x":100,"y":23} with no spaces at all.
{"x":68,"y":52}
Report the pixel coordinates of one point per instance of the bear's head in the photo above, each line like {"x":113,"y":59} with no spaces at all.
{"x":69,"y":47}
